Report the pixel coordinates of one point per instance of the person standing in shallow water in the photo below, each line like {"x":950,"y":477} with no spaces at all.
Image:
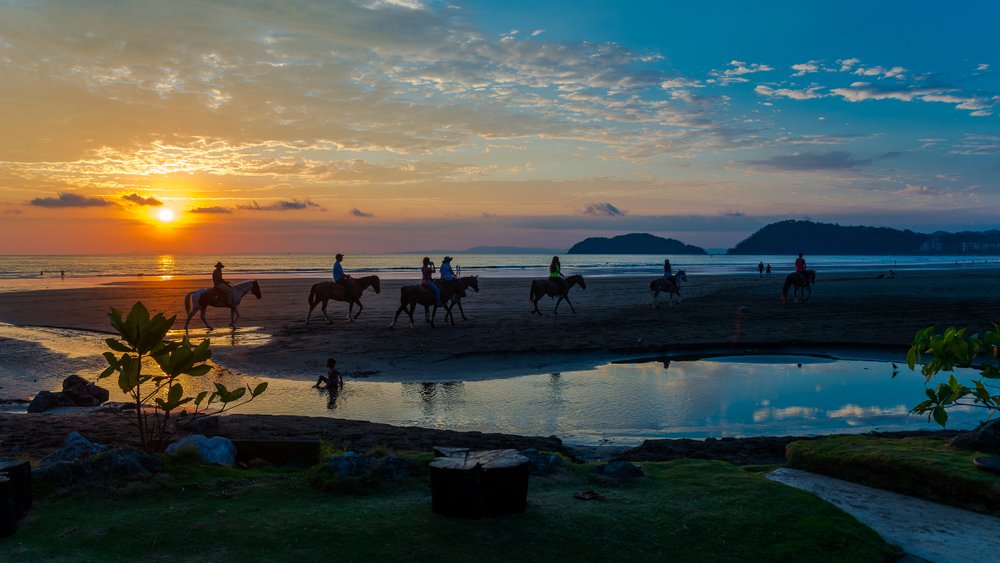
{"x":222,"y":285}
{"x":427,"y":279}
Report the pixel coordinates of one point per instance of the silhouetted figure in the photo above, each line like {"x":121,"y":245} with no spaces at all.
{"x":332,"y":379}
{"x":555,"y":275}
{"x":768,"y":270}
{"x":222,"y":285}
{"x":800,"y":263}
{"x":760,"y":268}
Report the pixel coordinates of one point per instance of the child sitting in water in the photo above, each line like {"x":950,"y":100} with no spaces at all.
{"x":332,"y":377}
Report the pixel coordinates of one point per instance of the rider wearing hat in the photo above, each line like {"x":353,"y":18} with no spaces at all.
{"x":339,"y":277}
{"x":447,"y":273}
{"x":221,"y":285}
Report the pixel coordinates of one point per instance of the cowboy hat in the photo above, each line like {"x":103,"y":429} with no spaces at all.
{"x":446,"y":259}
{"x":219,"y":265}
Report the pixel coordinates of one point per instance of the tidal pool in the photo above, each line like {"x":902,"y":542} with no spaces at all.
{"x":625,"y":403}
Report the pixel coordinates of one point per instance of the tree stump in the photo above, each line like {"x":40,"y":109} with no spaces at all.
{"x":8,"y":517}
{"x":470,"y":484}
{"x":19,"y":473}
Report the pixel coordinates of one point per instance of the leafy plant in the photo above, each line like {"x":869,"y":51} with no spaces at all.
{"x":156,"y":397}
{"x":946,"y":351}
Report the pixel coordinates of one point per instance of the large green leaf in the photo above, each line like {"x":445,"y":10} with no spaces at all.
{"x":260,"y":388}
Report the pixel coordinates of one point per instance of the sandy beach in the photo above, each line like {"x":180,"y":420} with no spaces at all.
{"x":615,"y":319}
{"x":847,"y":316}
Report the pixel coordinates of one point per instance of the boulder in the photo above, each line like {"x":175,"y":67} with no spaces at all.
{"x":543,"y":463}
{"x":129,"y":464}
{"x":46,"y":400}
{"x":216,"y":450}
{"x":84,"y":393}
{"x":619,"y":471}
{"x":985,"y":438}
{"x":76,"y":447}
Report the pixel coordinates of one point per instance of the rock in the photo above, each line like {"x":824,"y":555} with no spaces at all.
{"x":215,"y":450}
{"x":351,"y":464}
{"x":60,"y":474}
{"x":619,"y":470}
{"x":985,"y":438}
{"x":129,"y":464}
{"x":76,"y":447}
{"x":543,"y":463}
{"x":84,"y":393}
{"x":46,"y":400}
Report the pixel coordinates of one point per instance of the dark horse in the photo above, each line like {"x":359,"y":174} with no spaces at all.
{"x":325,"y":291}
{"x":211,"y":297}
{"x":412,"y":295}
{"x":670,"y":286}
{"x":543,"y":287}
{"x":467,"y":282}
{"x":801,"y":280}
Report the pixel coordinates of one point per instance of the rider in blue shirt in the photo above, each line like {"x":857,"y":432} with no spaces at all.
{"x":339,"y":277}
{"x":447,"y":273}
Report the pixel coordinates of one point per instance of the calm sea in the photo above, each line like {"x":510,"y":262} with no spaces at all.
{"x":19,"y":271}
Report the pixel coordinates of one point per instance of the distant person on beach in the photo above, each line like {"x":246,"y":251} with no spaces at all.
{"x":332,"y":379}
{"x":768,"y":269}
{"x":555,"y":275}
{"x":62,"y":273}
{"x":760,"y":268}
{"x":339,"y":277}
{"x":447,"y":274}
{"x":892,"y":275}
{"x":800,"y":264}
{"x":427,"y":279}
{"x":222,"y":285}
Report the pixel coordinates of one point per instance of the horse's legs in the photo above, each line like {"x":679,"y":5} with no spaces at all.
{"x":360,"y":308}
{"x":427,"y":313}
{"x":570,"y":303}
{"x":555,"y":311}
{"x":459,"y":303}
{"x":203,"y":317}
{"x":396,"y":318}
{"x":409,"y":311}
{"x":234,"y":315}
{"x":329,"y":321}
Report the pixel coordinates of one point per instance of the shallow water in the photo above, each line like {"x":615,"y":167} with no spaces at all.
{"x":620,"y":403}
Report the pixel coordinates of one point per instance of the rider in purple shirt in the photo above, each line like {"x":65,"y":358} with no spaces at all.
{"x":427,"y":279}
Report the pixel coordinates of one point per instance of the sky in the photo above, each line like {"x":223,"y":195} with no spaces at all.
{"x":397,"y":125}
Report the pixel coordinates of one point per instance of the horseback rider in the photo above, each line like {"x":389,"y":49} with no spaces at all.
{"x":447,"y":273}
{"x":427,"y":279}
{"x":556,"y":279}
{"x":223,"y":286}
{"x":800,"y":264}
{"x":668,"y":272}
{"x":339,"y":277}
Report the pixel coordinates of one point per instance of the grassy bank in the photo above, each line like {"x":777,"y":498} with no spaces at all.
{"x":682,"y":510}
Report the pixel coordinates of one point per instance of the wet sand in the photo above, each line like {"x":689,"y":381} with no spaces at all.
{"x":847,"y":314}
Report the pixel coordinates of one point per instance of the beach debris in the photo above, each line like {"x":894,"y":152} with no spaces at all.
{"x":217,"y":450}
{"x":619,"y":471}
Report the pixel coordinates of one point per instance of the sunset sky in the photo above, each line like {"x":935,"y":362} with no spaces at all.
{"x":393,"y":125}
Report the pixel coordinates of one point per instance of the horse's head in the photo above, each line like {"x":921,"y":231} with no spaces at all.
{"x":812,"y":275}
{"x":682,"y":275}
{"x":578,"y":279}
{"x":255,"y":289}
{"x":471,"y":281}
{"x":376,"y":284}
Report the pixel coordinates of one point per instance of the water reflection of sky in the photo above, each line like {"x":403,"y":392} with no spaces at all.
{"x":626,"y":403}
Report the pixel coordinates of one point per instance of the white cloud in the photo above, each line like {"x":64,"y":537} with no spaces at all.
{"x":847,"y":64}
{"x":736,"y":71}
{"x":807,"y":94}
{"x":805,"y":68}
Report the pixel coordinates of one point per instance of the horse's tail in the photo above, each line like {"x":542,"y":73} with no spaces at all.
{"x":784,"y":289}
{"x":187,"y":302}
{"x":312,"y":296}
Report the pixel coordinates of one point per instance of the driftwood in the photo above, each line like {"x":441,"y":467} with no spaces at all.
{"x":471,"y":484}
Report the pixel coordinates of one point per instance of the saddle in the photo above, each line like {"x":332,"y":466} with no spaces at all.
{"x":217,"y":297}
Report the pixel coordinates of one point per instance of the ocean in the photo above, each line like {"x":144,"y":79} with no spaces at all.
{"x":24,"y":272}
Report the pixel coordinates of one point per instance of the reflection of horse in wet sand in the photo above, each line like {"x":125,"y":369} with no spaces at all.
{"x":802,"y":281}
{"x":543,"y":287}
{"x":325,"y":291}
{"x":412,"y":295}
{"x":671,"y":286}
{"x":201,"y":299}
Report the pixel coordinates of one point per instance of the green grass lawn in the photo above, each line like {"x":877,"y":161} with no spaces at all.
{"x":926,"y":467}
{"x":684,"y":510}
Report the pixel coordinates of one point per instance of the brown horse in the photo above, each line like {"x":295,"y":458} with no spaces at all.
{"x":671,"y":287}
{"x":325,"y":291}
{"x":211,"y":297}
{"x":543,"y":287}
{"x":467,"y":282}
{"x":412,"y":295}
{"x":801,"y":280}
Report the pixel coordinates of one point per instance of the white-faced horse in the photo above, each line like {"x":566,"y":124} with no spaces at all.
{"x":201,"y":299}
{"x":670,"y":286}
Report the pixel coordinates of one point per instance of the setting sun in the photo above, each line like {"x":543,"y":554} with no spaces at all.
{"x":166,"y":215}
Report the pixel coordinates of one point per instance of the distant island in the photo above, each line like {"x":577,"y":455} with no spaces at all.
{"x":635,"y":243}
{"x":792,"y":237}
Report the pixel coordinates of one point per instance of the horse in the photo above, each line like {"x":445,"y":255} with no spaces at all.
{"x":412,"y":295}
{"x":670,"y":286}
{"x":325,"y":291}
{"x":456,"y":298}
{"x":541,"y":288}
{"x":801,"y":280}
{"x":211,"y":297}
